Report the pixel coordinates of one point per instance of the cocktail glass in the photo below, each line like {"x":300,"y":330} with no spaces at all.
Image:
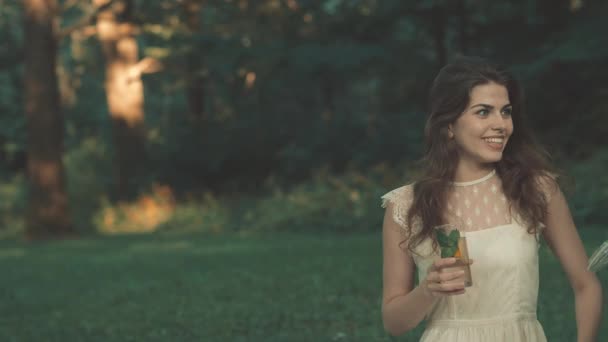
{"x":453,"y":243}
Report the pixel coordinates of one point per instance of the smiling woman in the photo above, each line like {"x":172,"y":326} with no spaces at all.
{"x":484,"y":175}
{"x":483,"y":129}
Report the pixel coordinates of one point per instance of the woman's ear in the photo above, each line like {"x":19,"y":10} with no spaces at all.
{"x":450,"y":132}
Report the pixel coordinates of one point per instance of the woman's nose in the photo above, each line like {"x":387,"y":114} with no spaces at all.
{"x":498,"y":123}
{"x":500,"y":130}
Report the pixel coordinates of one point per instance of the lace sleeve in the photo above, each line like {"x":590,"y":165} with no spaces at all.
{"x":400,"y":200}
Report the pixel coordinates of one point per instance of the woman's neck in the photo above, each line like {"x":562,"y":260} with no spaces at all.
{"x":466,"y":172}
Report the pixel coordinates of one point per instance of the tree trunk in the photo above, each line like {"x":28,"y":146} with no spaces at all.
{"x":125,"y":94}
{"x":463,"y":26}
{"x":196,"y":88}
{"x":575,"y":5}
{"x":439,"y":28}
{"x":47,"y":210}
{"x":327,"y":90}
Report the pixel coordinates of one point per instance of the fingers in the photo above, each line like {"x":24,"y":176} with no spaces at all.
{"x":453,"y":293}
{"x":446,"y":289}
{"x":446,"y":277}
{"x":443,"y":262}
{"x":442,"y":277}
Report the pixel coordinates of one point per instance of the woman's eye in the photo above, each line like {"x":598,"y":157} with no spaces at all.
{"x":507,"y":112}
{"x":483,"y":112}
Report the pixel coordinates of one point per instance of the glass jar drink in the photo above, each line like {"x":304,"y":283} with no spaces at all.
{"x":453,"y":243}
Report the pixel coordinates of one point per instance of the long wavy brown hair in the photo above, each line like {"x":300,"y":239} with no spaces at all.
{"x":524,"y":164}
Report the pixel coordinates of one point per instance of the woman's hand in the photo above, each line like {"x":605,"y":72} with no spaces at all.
{"x":444,"y":278}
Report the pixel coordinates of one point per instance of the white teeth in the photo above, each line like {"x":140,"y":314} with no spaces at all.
{"x":494,"y":140}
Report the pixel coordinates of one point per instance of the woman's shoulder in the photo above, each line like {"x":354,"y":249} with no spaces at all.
{"x":547,"y":184}
{"x":398,"y":201}
{"x":401,"y":196}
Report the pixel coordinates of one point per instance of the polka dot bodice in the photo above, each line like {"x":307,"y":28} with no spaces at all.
{"x":478,"y":204}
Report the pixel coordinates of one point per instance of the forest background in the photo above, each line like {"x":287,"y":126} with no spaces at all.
{"x":240,"y":119}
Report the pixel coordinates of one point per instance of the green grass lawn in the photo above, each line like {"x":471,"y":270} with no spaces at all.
{"x":283,"y":287}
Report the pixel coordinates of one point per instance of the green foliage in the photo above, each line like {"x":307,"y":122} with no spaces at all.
{"x":338,"y":57}
{"x":208,"y":215}
{"x":590,"y":196}
{"x":196,"y":218}
{"x":287,"y":88}
{"x":89,"y":175}
{"x":328,"y":203}
{"x":12,"y":206}
{"x":344,"y":203}
{"x":12,"y":123}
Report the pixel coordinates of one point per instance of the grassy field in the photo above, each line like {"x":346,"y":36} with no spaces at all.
{"x":283,"y":287}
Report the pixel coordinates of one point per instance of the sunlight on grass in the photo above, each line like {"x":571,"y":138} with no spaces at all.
{"x":144,"y":215}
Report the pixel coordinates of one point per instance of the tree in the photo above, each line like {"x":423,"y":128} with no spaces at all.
{"x":117,"y":31}
{"x":195,"y":92}
{"x":47,"y":213}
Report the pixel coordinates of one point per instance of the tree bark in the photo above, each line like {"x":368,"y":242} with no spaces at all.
{"x":125,"y":94}
{"x":47,"y":210}
{"x":196,"y":88}
{"x":463,"y":26}
{"x":327,"y":89}
{"x":439,"y":28}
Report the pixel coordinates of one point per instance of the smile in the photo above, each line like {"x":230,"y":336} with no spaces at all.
{"x":494,"y":140}
{"x":495,"y":144}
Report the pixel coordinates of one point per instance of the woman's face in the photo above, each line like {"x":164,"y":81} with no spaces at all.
{"x":483,"y":129}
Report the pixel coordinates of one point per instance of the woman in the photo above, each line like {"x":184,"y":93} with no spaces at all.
{"x":482,"y":172}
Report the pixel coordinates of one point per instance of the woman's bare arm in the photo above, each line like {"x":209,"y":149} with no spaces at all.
{"x":563,"y":239}
{"x":403,"y":306}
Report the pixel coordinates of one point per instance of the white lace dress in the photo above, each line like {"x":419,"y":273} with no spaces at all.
{"x":501,"y":304}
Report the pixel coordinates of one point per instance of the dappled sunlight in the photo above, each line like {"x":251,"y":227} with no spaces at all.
{"x":125,"y":94}
{"x":38,"y":11}
{"x":576,"y":5}
{"x":250,"y":79}
{"x":144,"y":215}
{"x":46,"y":173}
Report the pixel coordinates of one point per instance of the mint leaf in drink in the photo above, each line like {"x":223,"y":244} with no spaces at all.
{"x":454,"y":236}
{"x":442,"y":238}
{"x":448,"y":243}
{"x":448,"y":252}
{"x":445,"y":240}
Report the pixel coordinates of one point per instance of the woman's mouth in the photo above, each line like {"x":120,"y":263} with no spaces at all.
{"x":495,"y":144}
